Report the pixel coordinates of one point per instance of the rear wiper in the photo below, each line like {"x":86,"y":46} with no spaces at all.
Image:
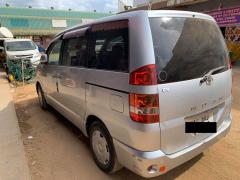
{"x":214,"y":70}
{"x":207,"y":77}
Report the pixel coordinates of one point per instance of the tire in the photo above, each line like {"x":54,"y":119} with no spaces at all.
{"x":41,"y":98}
{"x":6,"y":69}
{"x":102,"y":148}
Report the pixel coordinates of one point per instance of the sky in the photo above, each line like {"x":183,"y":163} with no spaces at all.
{"x":78,"y":5}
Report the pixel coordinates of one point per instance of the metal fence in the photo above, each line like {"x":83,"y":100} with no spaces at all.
{"x":20,"y":70}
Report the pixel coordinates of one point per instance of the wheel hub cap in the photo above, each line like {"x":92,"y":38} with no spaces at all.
{"x":100,"y":147}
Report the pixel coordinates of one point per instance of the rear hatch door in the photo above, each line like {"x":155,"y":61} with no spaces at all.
{"x":186,"y":52}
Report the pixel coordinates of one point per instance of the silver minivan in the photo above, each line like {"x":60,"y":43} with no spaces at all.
{"x":151,"y":89}
{"x":17,"y":49}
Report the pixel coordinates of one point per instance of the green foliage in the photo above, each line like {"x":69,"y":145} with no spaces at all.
{"x":15,"y":68}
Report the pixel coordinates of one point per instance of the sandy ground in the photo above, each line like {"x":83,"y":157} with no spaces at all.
{"x":57,"y":150}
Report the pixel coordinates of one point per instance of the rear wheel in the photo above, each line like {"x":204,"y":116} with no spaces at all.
{"x":102,"y":148}
{"x":41,"y":98}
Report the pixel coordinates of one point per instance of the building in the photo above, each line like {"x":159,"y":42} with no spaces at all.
{"x":225,"y":12}
{"x":41,"y":25}
{"x":124,"y":5}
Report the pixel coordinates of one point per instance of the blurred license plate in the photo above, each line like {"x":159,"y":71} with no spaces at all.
{"x":201,"y":124}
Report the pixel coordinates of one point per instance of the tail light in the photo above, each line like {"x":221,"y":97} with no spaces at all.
{"x":145,"y":75}
{"x":144,"y":108}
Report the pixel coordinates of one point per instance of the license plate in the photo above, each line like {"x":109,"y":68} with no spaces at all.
{"x":201,"y":124}
{"x":200,"y":127}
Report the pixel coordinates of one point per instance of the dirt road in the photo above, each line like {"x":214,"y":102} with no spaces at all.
{"x":56,"y":150}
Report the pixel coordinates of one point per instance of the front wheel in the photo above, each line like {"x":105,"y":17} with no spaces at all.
{"x":41,"y":98}
{"x":102,"y":148}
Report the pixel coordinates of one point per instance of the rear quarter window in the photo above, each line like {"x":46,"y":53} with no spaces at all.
{"x":109,"y":46}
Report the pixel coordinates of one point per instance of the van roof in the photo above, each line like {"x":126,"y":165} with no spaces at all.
{"x":5,"y":38}
{"x":14,"y":40}
{"x":151,"y":13}
{"x":172,"y":13}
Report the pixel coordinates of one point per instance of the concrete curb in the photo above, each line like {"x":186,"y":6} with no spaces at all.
{"x":13,"y":163}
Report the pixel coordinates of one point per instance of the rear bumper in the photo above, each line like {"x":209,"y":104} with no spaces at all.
{"x":139,"y":161}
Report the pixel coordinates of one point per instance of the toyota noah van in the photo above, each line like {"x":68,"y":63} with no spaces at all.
{"x":150,"y":89}
{"x":17,"y":49}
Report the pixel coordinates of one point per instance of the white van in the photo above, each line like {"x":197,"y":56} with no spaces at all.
{"x":11,"y":49}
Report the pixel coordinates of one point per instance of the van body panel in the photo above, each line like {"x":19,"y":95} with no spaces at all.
{"x":71,"y":90}
{"x":50,"y":80}
{"x":141,"y":46}
{"x":141,"y":160}
{"x":182,"y":100}
{"x":99,"y":91}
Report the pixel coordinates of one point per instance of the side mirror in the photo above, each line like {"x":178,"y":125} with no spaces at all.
{"x":44,"y":59}
{"x":1,"y":49}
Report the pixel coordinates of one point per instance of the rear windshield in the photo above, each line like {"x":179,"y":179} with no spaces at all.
{"x":20,"y":45}
{"x":187,"y":48}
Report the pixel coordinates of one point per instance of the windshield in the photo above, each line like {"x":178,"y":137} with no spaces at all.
{"x":20,"y":45}
{"x":187,"y":48}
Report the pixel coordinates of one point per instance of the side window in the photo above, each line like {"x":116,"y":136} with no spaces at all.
{"x":109,"y":46}
{"x":54,"y":53}
{"x":75,"y":52}
{"x":99,"y":44}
